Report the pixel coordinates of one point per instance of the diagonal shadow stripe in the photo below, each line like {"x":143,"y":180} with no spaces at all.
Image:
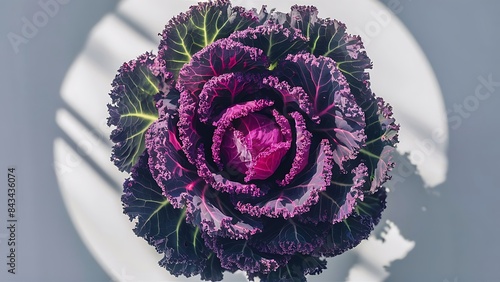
{"x":105,"y":176}
{"x":137,"y":28}
{"x":96,"y":133}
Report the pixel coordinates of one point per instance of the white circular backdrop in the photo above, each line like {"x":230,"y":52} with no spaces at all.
{"x":90,"y":184}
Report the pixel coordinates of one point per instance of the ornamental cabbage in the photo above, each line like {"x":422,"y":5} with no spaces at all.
{"x":253,"y":142}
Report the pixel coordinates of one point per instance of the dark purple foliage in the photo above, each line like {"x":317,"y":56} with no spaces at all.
{"x":253,"y":141}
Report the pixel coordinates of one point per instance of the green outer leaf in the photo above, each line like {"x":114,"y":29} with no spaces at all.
{"x":133,"y":109}
{"x":275,"y":40}
{"x":163,"y":226}
{"x":380,"y":164}
{"x":357,"y":227}
{"x":288,"y":238}
{"x":295,"y":270}
{"x":372,"y":204}
{"x":203,"y":24}
{"x":329,"y":38}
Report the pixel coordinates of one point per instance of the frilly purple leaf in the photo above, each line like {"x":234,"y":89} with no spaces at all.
{"x":297,"y":197}
{"x":168,"y":164}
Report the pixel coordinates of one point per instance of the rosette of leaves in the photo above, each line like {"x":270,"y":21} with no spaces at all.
{"x":253,"y":142}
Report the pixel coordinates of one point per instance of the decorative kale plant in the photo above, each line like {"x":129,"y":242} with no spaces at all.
{"x":253,"y":141}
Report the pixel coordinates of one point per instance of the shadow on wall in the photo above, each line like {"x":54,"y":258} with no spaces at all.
{"x":423,"y":216}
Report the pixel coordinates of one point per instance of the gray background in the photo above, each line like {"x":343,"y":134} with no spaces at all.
{"x":456,"y":237}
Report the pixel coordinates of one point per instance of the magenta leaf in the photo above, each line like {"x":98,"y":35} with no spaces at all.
{"x":293,"y":98}
{"x":224,"y":122}
{"x":297,"y":197}
{"x":189,"y":134}
{"x":222,"y":56}
{"x":220,"y":181}
{"x":133,"y":109}
{"x":255,"y":145}
{"x":225,"y":90}
{"x":302,"y":149}
{"x":211,"y":211}
{"x":170,"y":168}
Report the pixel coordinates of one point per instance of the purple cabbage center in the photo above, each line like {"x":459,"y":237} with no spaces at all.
{"x":254,"y":146}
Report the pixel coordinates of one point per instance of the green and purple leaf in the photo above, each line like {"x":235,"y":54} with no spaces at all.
{"x":211,"y":211}
{"x":329,"y":38}
{"x":200,"y":26}
{"x":382,"y":136}
{"x":379,"y":163}
{"x":222,"y":56}
{"x":295,"y":270}
{"x":287,"y":237}
{"x":372,"y":205}
{"x":275,"y":40}
{"x":136,"y":87}
{"x":341,"y":119}
{"x":162,"y":225}
{"x":240,"y":255}
{"x":340,"y":198}
{"x":351,"y":231}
